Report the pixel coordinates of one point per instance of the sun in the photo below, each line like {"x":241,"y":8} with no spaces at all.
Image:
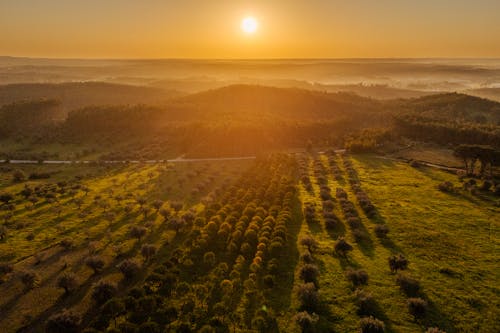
{"x":249,"y":25}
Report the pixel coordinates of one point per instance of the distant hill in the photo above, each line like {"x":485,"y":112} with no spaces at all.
{"x":489,"y":93}
{"x":453,"y":107}
{"x":74,"y":95}
{"x":261,"y":102}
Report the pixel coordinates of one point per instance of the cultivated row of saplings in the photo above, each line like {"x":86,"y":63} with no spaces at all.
{"x":227,"y":262}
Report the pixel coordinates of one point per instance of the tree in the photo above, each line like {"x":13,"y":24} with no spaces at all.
{"x":96,"y":263}
{"x":63,"y":322}
{"x":138,"y":232}
{"x":18,"y":176}
{"x":417,"y":307}
{"x":29,"y":279}
{"x":6,"y":197}
{"x":309,"y":242}
{"x":103,"y":291}
{"x":3,"y":232}
{"x":306,"y":321}
{"x":342,"y":247}
{"x":148,"y":250}
{"x":67,"y":281}
{"x":113,"y":308}
{"x":309,"y":273}
{"x":129,"y":268}
{"x":397,"y":262}
{"x":308,"y":296}
{"x":371,"y":325}
{"x":157,"y":205}
{"x":209,"y":259}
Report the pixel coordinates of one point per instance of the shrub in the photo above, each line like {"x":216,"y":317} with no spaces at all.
{"x":408,"y":285}
{"x":67,"y":281}
{"x":18,"y":176}
{"x":6,"y":268}
{"x":434,"y":330}
{"x":29,"y":279}
{"x":342,"y":247}
{"x":308,"y":296}
{"x":268,"y":281}
{"x":148,"y":250}
{"x":129,"y":268}
{"x":63,"y":322}
{"x":307,"y":257}
{"x":103,"y":291}
{"x":309,"y":273}
{"x":309,"y":242}
{"x":306,"y":321}
{"x":365,"y":302}
{"x":138,"y":232}
{"x":446,"y":187}
{"x":67,"y":243}
{"x":357,"y":277}
{"x":397,"y":262}
{"x":371,"y":325}
{"x":209,"y":259}
{"x":486,"y":185}
{"x":96,"y":263}
{"x":417,"y":307}
{"x":381,"y":230}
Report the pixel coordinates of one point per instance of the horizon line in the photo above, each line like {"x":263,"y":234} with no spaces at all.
{"x":249,"y":59}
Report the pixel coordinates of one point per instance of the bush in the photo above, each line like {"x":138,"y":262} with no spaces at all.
{"x":486,"y":185}
{"x":18,"y":176}
{"x":6,"y":268}
{"x":342,"y":247}
{"x":29,"y":279}
{"x":371,"y":325}
{"x":67,"y":281}
{"x":408,"y":285}
{"x":103,"y":291}
{"x":148,"y":250}
{"x":434,"y":330}
{"x":308,"y":296}
{"x":63,"y":322}
{"x":365,"y":302}
{"x":309,"y":242}
{"x":357,"y":277}
{"x":397,"y":262}
{"x":417,"y":307}
{"x":446,"y":187}
{"x":381,"y":230}
{"x":129,"y":268}
{"x":309,"y":273}
{"x":96,"y":263}
{"x":269,"y":281}
{"x":306,"y":321}
{"x":138,"y":232}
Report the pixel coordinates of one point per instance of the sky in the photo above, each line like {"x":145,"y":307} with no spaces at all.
{"x":287,"y":28}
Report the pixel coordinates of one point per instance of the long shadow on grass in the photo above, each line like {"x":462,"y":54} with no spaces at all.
{"x":280,"y":296}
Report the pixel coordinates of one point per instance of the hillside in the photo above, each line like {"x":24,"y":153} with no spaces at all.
{"x":74,"y":95}
{"x":454,"y":107}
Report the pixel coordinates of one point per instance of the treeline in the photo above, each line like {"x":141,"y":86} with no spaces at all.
{"x":488,"y":158}
{"x":28,"y":118}
{"x":449,"y":132}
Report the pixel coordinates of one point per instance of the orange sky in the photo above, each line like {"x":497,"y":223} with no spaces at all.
{"x":211,"y":28}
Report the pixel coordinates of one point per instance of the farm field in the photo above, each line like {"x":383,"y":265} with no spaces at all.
{"x":287,"y":243}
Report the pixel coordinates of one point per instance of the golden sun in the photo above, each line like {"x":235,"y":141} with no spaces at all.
{"x":249,"y":25}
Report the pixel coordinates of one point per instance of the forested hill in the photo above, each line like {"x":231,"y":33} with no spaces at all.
{"x":288,"y":103}
{"x":74,"y":95}
{"x":453,"y":107}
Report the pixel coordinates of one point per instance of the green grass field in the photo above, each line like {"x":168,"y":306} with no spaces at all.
{"x":451,"y":240}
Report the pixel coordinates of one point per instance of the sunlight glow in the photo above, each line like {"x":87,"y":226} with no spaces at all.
{"x":249,"y":25}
